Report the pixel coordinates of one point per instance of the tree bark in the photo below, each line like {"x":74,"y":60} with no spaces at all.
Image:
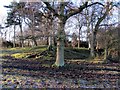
{"x":14,"y":37}
{"x":61,"y":37}
{"x":21,"y":39}
{"x":79,"y":35}
{"x":106,"y":53}
{"x":50,"y":40}
{"x":33,"y":28}
{"x":50,"y":43}
{"x":92,"y":50}
{"x":60,"y":53}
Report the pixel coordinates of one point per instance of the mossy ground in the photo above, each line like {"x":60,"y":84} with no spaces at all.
{"x":21,"y":52}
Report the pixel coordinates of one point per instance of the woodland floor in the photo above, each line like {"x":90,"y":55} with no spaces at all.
{"x":39,"y":73}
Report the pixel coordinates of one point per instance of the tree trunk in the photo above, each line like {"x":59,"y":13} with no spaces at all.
{"x":89,"y":37}
{"x":92,"y":51}
{"x":88,"y":29}
{"x":51,"y":29}
{"x":14,"y":37}
{"x":79,"y":38}
{"x":106,"y":53}
{"x":33,"y":29}
{"x":34,"y":40}
{"x":89,"y":44}
{"x":60,"y":53}
{"x":33,"y":35}
{"x":61,"y":37}
{"x":50,"y":43}
{"x":21,"y":39}
{"x":60,"y":46}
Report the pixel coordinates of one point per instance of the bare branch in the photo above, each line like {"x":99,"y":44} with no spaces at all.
{"x":108,"y":8}
{"x":76,"y":11}
{"x":51,"y":9}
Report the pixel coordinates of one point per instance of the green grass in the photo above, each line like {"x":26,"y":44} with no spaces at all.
{"x":21,"y":52}
{"x":70,"y":53}
{"x":81,"y":54}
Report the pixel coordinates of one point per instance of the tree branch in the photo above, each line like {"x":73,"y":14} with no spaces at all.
{"x":51,"y":9}
{"x":108,"y":8}
{"x":76,"y":11}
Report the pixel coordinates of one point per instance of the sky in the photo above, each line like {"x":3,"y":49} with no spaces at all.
{"x":3,"y":11}
{"x":3,"y":15}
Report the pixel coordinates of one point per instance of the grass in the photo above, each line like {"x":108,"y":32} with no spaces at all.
{"x":78,"y":67}
{"x":21,"y":52}
{"x":20,"y":55}
{"x":81,"y":54}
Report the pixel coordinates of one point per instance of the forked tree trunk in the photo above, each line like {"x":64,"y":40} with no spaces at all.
{"x":61,"y":37}
{"x":60,"y":42}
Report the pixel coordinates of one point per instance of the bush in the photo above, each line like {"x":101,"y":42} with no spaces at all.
{"x":115,"y":59}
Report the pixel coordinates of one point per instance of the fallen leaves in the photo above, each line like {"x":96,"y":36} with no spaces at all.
{"x":24,"y":73}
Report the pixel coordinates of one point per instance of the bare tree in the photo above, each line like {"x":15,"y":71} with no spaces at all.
{"x":62,"y":20}
{"x":80,"y":22}
{"x":94,"y":21}
{"x":63,"y":11}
